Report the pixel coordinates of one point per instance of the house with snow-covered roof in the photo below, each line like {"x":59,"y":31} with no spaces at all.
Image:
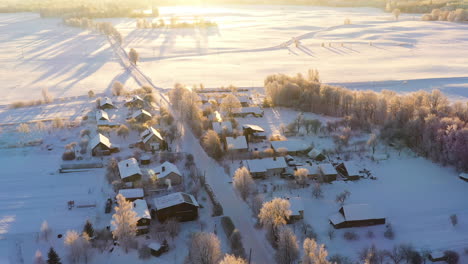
{"x":106,"y":103}
{"x":142,"y":115}
{"x":349,"y":170}
{"x":261,"y":168}
{"x":312,"y":170}
{"x":151,"y":140}
{"x":132,"y":194}
{"x":317,"y":154}
{"x":224,"y":127}
{"x":140,"y":207}
{"x":237,"y":144}
{"x":293,"y":146}
{"x":181,"y":206}
{"x":129,"y":170}
{"x":296,"y":205}
{"x":135,"y":102}
{"x":355,"y":215}
{"x":100,"y":145}
{"x":167,"y":174}
{"x":328,"y":172}
{"x":253,"y":132}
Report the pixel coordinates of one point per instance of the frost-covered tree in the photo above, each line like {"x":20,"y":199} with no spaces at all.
{"x":342,"y":197}
{"x":123,"y":131}
{"x":172,"y":227}
{"x":212,"y":144}
{"x":288,"y":249}
{"x":52,"y":257}
{"x":396,"y":12}
{"x":314,"y":253}
{"x":117,"y":88}
{"x":372,"y":142}
{"x":317,"y":190}
{"x":231,"y":259}
{"x":301,"y":176}
{"x":273,"y":215}
{"x":133,"y":56}
{"x":205,"y":248}
{"x":125,"y":222}
{"x":229,"y":103}
{"x":243,"y":182}
{"x":38,"y":259}
{"x":256,"y":203}
{"x":73,"y":243}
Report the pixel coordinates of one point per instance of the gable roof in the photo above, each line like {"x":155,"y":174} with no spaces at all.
{"x":247,"y":110}
{"x":174,"y":199}
{"x":132,"y":193}
{"x":253,"y":127}
{"x":262,"y":165}
{"x":238,"y":143}
{"x":296,"y":205}
{"x":327,"y":168}
{"x":219,"y":127}
{"x":351,"y":168}
{"x":140,"y":207}
{"x":141,"y":112}
{"x":291,"y":145}
{"x":313,"y":153}
{"x":128,"y":167}
{"x":313,"y":170}
{"x":464,"y":175}
{"x":356,"y":212}
{"x":106,"y":100}
{"x":149,"y":133}
{"x":101,"y":115}
{"x":168,"y":169}
{"x":100,"y":138}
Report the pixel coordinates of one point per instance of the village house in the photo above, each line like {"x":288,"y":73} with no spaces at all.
{"x":297,"y":209}
{"x":253,"y":133}
{"x":328,"y":172}
{"x":236,"y":145}
{"x":348,"y":170}
{"x":167,"y":174}
{"x":244,"y":100}
{"x":135,"y":102}
{"x":151,"y":140}
{"x":223,"y":128}
{"x":102,"y":118}
{"x":140,"y":207}
{"x":356,"y":215}
{"x":129,"y":170}
{"x":317,"y":154}
{"x":132,"y":194}
{"x":293,"y":147}
{"x":106,"y":103}
{"x":142,"y":116}
{"x":100,"y":145}
{"x":181,"y":206}
{"x":313,"y":172}
{"x":261,"y":168}
{"x":246,"y":111}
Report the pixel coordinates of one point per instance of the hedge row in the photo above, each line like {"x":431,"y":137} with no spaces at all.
{"x":217,"y":207}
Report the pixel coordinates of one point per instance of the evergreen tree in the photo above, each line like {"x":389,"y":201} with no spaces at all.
{"x":89,"y":229}
{"x":52,"y":257}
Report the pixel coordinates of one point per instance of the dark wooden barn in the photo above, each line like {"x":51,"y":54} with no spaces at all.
{"x":182,"y":206}
{"x":355,"y":215}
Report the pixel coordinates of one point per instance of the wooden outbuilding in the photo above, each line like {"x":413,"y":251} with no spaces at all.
{"x":101,"y":145}
{"x":129,"y":170}
{"x":181,"y":206}
{"x":356,"y":215}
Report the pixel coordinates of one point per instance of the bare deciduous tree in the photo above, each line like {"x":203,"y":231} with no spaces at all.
{"x":229,"y":103}
{"x":205,"y":248}
{"x":317,"y":190}
{"x":342,"y":197}
{"x":288,"y":249}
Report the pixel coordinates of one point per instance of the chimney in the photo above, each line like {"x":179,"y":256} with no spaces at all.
{"x":163,"y":168}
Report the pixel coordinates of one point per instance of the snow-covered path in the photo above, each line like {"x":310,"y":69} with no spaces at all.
{"x":233,"y":206}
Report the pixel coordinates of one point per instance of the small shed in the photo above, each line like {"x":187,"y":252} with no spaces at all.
{"x":328,"y":172}
{"x":297,"y":209}
{"x":158,"y":249}
{"x":356,"y":215}
{"x":132,"y":194}
{"x":182,"y":206}
{"x":349,"y":170}
{"x":464,"y":176}
{"x":437,"y":256}
{"x":237,"y":144}
{"x":145,"y":159}
{"x":244,"y":100}
{"x":167,"y":171}
{"x":292,"y":146}
{"x":140,"y":207}
{"x":253,"y":132}
{"x":106,"y":103}
{"x":142,"y":115}
{"x":129,"y":170}
{"x":316,"y":154}
{"x":100,"y":145}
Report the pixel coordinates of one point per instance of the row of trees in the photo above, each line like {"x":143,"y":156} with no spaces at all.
{"x":423,"y":121}
{"x":198,"y":22}
{"x":105,"y":28}
{"x":458,"y":15}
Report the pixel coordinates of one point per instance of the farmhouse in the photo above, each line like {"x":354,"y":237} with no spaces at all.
{"x":246,"y":111}
{"x":167,"y":174}
{"x":223,"y":127}
{"x":152,"y":140}
{"x":142,"y":115}
{"x":355,"y":215}
{"x":253,"y":132}
{"x":132,"y":194}
{"x":129,"y":170}
{"x":316,"y":154}
{"x":106,"y":103}
{"x":464,"y":176}
{"x":348,"y":170}
{"x":100,"y":145}
{"x":140,"y":207}
{"x":238,"y":144}
{"x":292,"y":146}
{"x":297,"y":209}
{"x":261,"y":168}
{"x":181,"y":206}
{"x":328,"y":172}
{"x":136,"y":102}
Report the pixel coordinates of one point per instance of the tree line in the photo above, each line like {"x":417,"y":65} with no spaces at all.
{"x":105,"y":28}
{"x":424,"y":121}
